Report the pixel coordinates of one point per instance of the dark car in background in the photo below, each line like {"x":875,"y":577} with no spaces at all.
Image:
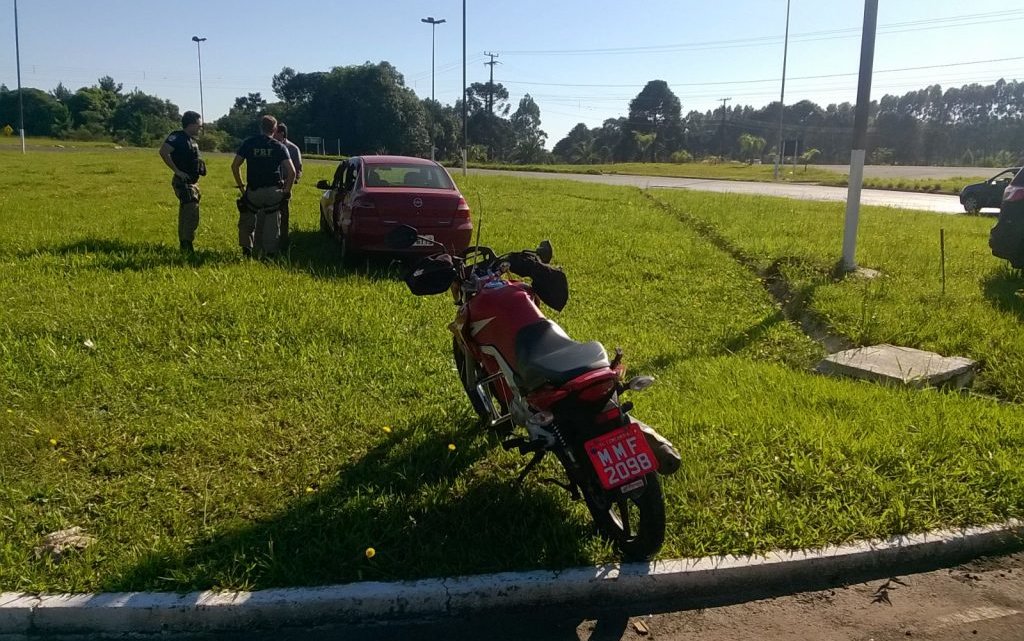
{"x":1007,"y":238}
{"x":371,"y":195}
{"x":978,"y":196}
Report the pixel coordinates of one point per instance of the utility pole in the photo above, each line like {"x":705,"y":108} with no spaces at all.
{"x":490,"y":86}
{"x":860,"y":134}
{"x":465,"y":125}
{"x":721,"y":129}
{"x":21,"y":100}
{"x":782,"y":95}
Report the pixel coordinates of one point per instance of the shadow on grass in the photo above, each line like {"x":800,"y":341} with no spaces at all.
{"x":426,"y":510}
{"x":119,"y":255}
{"x":318,"y":254}
{"x":1004,"y":289}
{"x":310,"y":252}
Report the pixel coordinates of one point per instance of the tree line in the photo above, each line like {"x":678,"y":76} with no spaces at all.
{"x":368,"y":109}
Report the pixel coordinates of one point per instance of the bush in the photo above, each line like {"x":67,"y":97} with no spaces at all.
{"x":681,"y":156}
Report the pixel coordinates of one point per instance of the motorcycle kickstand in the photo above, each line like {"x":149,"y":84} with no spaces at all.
{"x":537,"y":456}
{"x":570,"y":487}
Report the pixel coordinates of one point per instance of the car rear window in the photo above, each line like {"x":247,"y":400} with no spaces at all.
{"x":1018,"y":180}
{"x":399,"y":175}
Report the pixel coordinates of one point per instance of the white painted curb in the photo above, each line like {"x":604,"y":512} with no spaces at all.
{"x":156,"y":612}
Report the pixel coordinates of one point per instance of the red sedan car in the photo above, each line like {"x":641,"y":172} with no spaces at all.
{"x":371,"y":195}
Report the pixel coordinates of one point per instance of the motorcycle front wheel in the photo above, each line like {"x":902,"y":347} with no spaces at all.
{"x":634,"y":523}
{"x":469,"y":374}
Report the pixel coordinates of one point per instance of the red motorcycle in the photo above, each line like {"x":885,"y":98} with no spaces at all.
{"x":522,"y":372}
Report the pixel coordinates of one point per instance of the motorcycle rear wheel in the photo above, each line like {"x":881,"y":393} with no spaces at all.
{"x":634,"y":524}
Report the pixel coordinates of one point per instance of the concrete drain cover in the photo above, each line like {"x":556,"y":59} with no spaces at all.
{"x":904,"y":365}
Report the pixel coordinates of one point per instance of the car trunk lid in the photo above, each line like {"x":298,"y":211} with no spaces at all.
{"x":418,"y":208}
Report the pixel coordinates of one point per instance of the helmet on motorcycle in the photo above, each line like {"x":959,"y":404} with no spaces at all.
{"x":432,"y":275}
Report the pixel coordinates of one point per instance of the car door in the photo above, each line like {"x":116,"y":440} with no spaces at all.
{"x":351,"y":185}
{"x":995,"y":187}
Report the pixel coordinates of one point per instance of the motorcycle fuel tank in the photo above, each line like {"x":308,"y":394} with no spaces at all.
{"x":498,"y":312}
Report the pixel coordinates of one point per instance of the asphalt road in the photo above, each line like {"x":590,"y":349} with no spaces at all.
{"x":927,"y":202}
{"x":911,"y":171}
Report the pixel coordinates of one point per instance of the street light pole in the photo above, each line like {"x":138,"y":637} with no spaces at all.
{"x":433,"y":28}
{"x":782,"y":96}
{"x":21,"y":100}
{"x":433,"y":23}
{"x":202,"y":111}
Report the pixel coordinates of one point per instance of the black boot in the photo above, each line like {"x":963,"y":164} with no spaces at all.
{"x":186,"y":246}
{"x":247,"y":252}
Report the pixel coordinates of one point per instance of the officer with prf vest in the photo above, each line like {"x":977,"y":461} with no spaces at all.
{"x":269,"y":177}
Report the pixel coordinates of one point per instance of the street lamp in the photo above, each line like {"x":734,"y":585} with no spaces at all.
{"x":202,"y":111}
{"x":433,"y":27}
{"x":433,"y":23}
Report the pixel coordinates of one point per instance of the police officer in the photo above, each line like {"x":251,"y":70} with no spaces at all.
{"x":180,"y":152}
{"x":269,"y":177}
{"x":281,"y":135}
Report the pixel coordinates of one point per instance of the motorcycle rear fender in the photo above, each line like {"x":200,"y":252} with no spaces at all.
{"x":600,"y":384}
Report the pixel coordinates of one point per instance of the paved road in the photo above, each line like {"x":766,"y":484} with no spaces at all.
{"x":897,"y":171}
{"x":927,"y":202}
{"x":982,"y":600}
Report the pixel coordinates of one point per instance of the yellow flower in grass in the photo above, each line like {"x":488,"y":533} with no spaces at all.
{"x":451,"y":447}
{"x":310,"y":489}
{"x":387,"y":430}
{"x":53,"y":442}
{"x":370,"y":553}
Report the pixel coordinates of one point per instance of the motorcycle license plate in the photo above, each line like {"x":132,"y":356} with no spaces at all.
{"x":621,"y":456}
{"x":424,"y":240}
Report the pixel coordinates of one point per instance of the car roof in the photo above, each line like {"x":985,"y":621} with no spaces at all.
{"x":392,"y":160}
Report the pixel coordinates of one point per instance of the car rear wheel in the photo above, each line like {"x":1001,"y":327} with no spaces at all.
{"x":971,"y":205}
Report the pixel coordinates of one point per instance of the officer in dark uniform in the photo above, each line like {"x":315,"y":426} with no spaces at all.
{"x":180,"y":152}
{"x":269,"y":177}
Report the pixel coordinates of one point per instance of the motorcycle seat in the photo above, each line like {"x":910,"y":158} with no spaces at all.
{"x":546,"y":354}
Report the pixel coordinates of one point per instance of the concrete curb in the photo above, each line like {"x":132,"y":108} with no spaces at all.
{"x":160,"y":612}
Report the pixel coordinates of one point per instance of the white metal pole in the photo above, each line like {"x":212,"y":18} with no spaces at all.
{"x":782,"y":94}
{"x":860,"y":136}
{"x":21,"y":100}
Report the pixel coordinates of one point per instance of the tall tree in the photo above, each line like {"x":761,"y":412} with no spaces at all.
{"x":529,"y":137}
{"x":656,"y":111}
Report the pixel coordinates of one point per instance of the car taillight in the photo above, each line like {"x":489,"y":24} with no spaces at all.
{"x":1013,"y":194}
{"x":463,"y":208}
{"x":363,"y":203}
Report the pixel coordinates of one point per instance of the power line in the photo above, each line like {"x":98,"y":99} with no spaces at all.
{"x":742,"y":82}
{"x":896,"y":27}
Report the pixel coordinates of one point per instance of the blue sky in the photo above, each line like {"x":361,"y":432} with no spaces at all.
{"x":581,"y":60}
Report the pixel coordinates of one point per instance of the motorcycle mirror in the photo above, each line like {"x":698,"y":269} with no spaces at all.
{"x":323,"y":184}
{"x":401,"y":237}
{"x":544,"y":251}
{"x":640,"y":383}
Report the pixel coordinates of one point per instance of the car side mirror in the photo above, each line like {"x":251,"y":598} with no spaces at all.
{"x":401,"y":237}
{"x":323,"y":184}
{"x":544,"y":251}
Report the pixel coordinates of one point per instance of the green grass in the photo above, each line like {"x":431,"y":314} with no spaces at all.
{"x":924,"y":185}
{"x":226,"y":427}
{"x":978,"y":316}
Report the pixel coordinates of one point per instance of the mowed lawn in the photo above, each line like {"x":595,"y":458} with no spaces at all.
{"x":215,"y":422}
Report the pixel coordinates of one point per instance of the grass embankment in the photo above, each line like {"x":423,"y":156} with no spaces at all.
{"x":719,"y":171}
{"x":217,"y":422}
{"x":756,"y":173}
